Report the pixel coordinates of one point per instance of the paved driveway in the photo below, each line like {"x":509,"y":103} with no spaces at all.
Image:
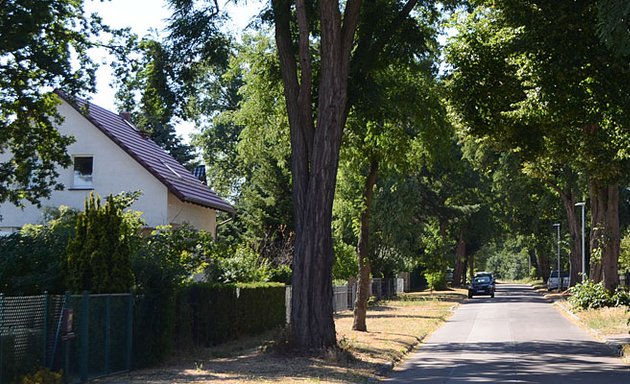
{"x":517,"y":337}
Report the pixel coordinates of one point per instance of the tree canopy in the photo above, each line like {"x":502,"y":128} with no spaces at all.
{"x":43,"y":45}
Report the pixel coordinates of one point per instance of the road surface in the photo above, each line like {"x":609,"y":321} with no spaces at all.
{"x":517,"y":337}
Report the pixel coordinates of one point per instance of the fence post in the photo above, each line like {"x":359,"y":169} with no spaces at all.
{"x":45,"y":331}
{"x":1,"y":338}
{"x":130,"y":330}
{"x":85,"y":344}
{"x":66,"y":344}
{"x":107,"y":346}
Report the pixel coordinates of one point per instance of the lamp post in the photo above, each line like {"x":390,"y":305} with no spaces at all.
{"x":583,"y":205}
{"x":557,"y":225}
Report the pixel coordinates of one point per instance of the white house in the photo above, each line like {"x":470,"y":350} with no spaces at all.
{"x":109,"y":156}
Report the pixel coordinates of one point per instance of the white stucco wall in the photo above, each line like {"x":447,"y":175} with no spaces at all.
{"x":199,"y":217}
{"x":114,"y":171}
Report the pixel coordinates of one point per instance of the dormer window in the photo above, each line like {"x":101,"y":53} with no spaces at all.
{"x":83,"y":167}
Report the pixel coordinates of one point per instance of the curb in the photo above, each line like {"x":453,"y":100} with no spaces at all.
{"x":616,"y":347}
{"x":383,"y":369}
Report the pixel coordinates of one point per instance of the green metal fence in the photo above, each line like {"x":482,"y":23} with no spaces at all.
{"x":85,"y":335}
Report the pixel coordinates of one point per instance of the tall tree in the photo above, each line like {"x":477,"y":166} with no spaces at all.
{"x":317,"y":106}
{"x":534,"y":78}
{"x":39,"y":41}
{"x":146,"y":90}
{"x":398,"y":116}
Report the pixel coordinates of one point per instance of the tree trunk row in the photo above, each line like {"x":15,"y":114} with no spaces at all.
{"x":605,"y":236}
{"x":363,"y":252}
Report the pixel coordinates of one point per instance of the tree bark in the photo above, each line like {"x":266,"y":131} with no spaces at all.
{"x":363,"y":252}
{"x":542,"y":254}
{"x":314,"y":158}
{"x":575,"y":257}
{"x":460,"y":256}
{"x":605,"y":234}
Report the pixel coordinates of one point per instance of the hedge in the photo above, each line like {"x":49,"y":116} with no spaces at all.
{"x":209,"y":314}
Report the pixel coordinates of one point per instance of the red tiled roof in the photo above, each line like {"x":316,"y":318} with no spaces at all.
{"x":151,"y":156}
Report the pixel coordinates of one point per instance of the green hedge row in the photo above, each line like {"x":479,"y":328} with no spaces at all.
{"x":209,"y":314}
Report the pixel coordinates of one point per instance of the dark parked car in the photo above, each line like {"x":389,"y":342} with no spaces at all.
{"x":481,"y":285}
{"x":489,"y":274}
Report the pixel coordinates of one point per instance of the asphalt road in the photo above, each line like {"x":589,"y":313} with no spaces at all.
{"x":517,"y":337}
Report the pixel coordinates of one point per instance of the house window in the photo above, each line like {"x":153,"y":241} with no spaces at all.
{"x":83,"y":171}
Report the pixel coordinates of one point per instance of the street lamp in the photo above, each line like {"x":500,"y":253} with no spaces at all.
{"x":583,"y":205}
{"x":557,"y":225}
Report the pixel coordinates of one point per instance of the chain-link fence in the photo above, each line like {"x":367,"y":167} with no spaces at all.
{"x":85,"y":335}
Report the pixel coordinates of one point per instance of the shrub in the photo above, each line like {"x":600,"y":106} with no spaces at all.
{"x":43,"y":376}
{"x":620,"y":297}
{"x":161,"y":263}
{"x":436,"y":281}
{"x":98,"y":254}
{"x":32,"y":259}
{"x":590,"y":295}
{"x":244,"y":266}
{"x":281,"y":274}
{"x":208,"y":314}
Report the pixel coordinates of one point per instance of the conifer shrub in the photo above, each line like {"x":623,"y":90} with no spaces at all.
{"x":98,"y":255}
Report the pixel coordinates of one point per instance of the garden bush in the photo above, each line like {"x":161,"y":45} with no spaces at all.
{"x":436,"y":280}
{"x":32,"y":259}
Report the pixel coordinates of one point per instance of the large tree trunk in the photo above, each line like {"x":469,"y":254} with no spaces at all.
{"x":575,"y":257}
{"x":314,"y":157}
{"x":542,"y":256}
{"x":363,"y":252}
{"x":605,"y":236}
{"x":533,"y":262}
{"x":460,"y":260}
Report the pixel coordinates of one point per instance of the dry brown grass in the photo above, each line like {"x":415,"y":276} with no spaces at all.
{"x":395,"y":327}
{"x":603,"y":321}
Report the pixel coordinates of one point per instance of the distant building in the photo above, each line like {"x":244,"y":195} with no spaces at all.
{"x":110,"y":155}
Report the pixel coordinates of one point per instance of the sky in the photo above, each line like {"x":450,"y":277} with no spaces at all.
{"x":142,"y":16}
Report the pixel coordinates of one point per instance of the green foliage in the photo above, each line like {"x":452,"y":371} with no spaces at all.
{"x":590,"y":295}
{"x":506,"y":259}
{"x":245,"y":309}
{"x":150,"y":75}
{"x":98,"y":254}
{"x":167,"y":260}
{"x":614,"y":24}
{"x":624,"y":254}
{"x":346,"y":265}
{"x":43,"y":45}
{"x":32,"y":259}
{"x":281,"y":274}
{"x":244,"y":266}
{"x":43,"y":376}
{"x":436,"y":281}
{"x":162,"y":262}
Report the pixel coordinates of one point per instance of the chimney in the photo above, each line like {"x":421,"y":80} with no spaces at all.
{"x":126,"y":116}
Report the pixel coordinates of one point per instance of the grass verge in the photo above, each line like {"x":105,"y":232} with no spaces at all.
{"x":604,"y":323}
{"x":395,"y":327}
